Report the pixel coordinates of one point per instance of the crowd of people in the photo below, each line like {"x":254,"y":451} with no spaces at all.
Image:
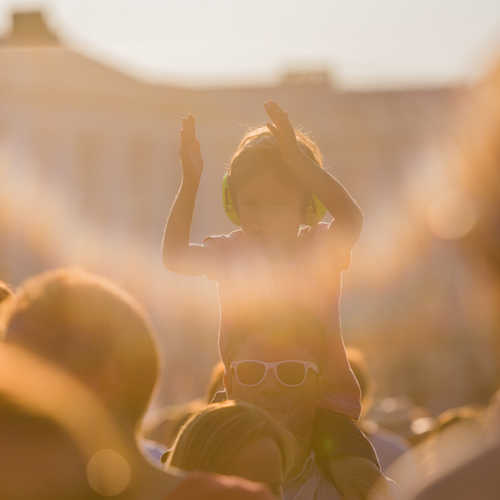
{"x":286,"y":410}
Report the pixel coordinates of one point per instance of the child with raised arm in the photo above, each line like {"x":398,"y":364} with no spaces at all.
{"x":277,"y":192}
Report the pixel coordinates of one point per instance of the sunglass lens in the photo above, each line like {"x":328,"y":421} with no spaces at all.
{"x":250,"y":372}
{"x":291,"y":372}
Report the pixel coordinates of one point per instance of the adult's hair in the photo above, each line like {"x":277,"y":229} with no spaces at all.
{"x":5,"y":291}
{"x":216,"y":382}
{"x":358,"y":365}
{"x":212,"y":438}
{"x":94,"y":331}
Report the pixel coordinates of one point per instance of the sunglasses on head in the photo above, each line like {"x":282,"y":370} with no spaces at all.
{"x":290,"y":372}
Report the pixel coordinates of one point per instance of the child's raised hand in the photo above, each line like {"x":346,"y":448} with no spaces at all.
{"x":282,"y":130}
{"x":190,"y":153}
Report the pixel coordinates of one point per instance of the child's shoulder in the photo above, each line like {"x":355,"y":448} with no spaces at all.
{"x":323,"y":235}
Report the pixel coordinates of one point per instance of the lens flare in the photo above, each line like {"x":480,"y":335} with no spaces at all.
{"x":108,"y":473}
{"x":451,"y":216}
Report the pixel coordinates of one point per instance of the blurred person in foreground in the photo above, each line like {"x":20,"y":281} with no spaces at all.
{"x":468,"y":414}
{"x":277,"y":192}
{"x":388,"y":445}
{"x":464,"y":463}
{"x":235,"y":438}
{"x":479,"y":182}
{"x":5,"y":291}
{"x":99,"y":335}
{"x":94,"y":331}
{"x":399,"y":414}
{"x":50,"y":447}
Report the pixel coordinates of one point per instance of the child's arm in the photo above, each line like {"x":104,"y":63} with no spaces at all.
{"x":347,"y":214}
{"x":178,"y":254}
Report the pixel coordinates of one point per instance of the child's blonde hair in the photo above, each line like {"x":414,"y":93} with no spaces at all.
{"x":261,"y":137}
{"x":259,"y":148}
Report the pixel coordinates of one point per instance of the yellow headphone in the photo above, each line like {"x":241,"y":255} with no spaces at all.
{"x":315,"y":210}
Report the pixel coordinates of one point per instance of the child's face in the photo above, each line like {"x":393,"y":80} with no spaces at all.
{"x":270,"y":209}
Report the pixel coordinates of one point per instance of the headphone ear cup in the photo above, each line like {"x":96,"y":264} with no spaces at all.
{"x":227,"y":201}
{"x":315,"y":211}
{"x":319,"y":208}
{"x":309,"y":218}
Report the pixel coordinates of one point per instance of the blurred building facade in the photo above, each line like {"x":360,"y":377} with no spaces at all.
{"x":97,"y":150}
{"x":110,"y":141}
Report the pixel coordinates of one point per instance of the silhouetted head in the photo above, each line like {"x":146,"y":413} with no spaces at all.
{"x":260,"y":193}
{"x":94,"y":331}
{"x":291,"y":390}
{"x":235,"y":438}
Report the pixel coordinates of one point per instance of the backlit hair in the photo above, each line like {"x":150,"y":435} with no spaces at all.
{"x":93,"y":330}
{"x":258,"y":151}
{"x":213,"y":437}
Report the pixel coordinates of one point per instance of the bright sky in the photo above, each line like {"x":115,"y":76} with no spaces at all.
{"x":364,"y":42}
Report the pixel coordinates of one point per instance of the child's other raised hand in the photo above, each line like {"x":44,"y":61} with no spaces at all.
{"x":190,"y":153}
{"x":282,"y":130}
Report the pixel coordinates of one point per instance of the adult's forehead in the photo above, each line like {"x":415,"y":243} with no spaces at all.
{"x":278,"y":331}
{"x":269,"y":347}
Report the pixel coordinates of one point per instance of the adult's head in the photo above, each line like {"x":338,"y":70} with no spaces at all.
{"x":274,"y":363}
{"x":52,"y":448}
{"x":58,"y":438}
{"x":93,"y":330}
{"x":235,"y":438}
